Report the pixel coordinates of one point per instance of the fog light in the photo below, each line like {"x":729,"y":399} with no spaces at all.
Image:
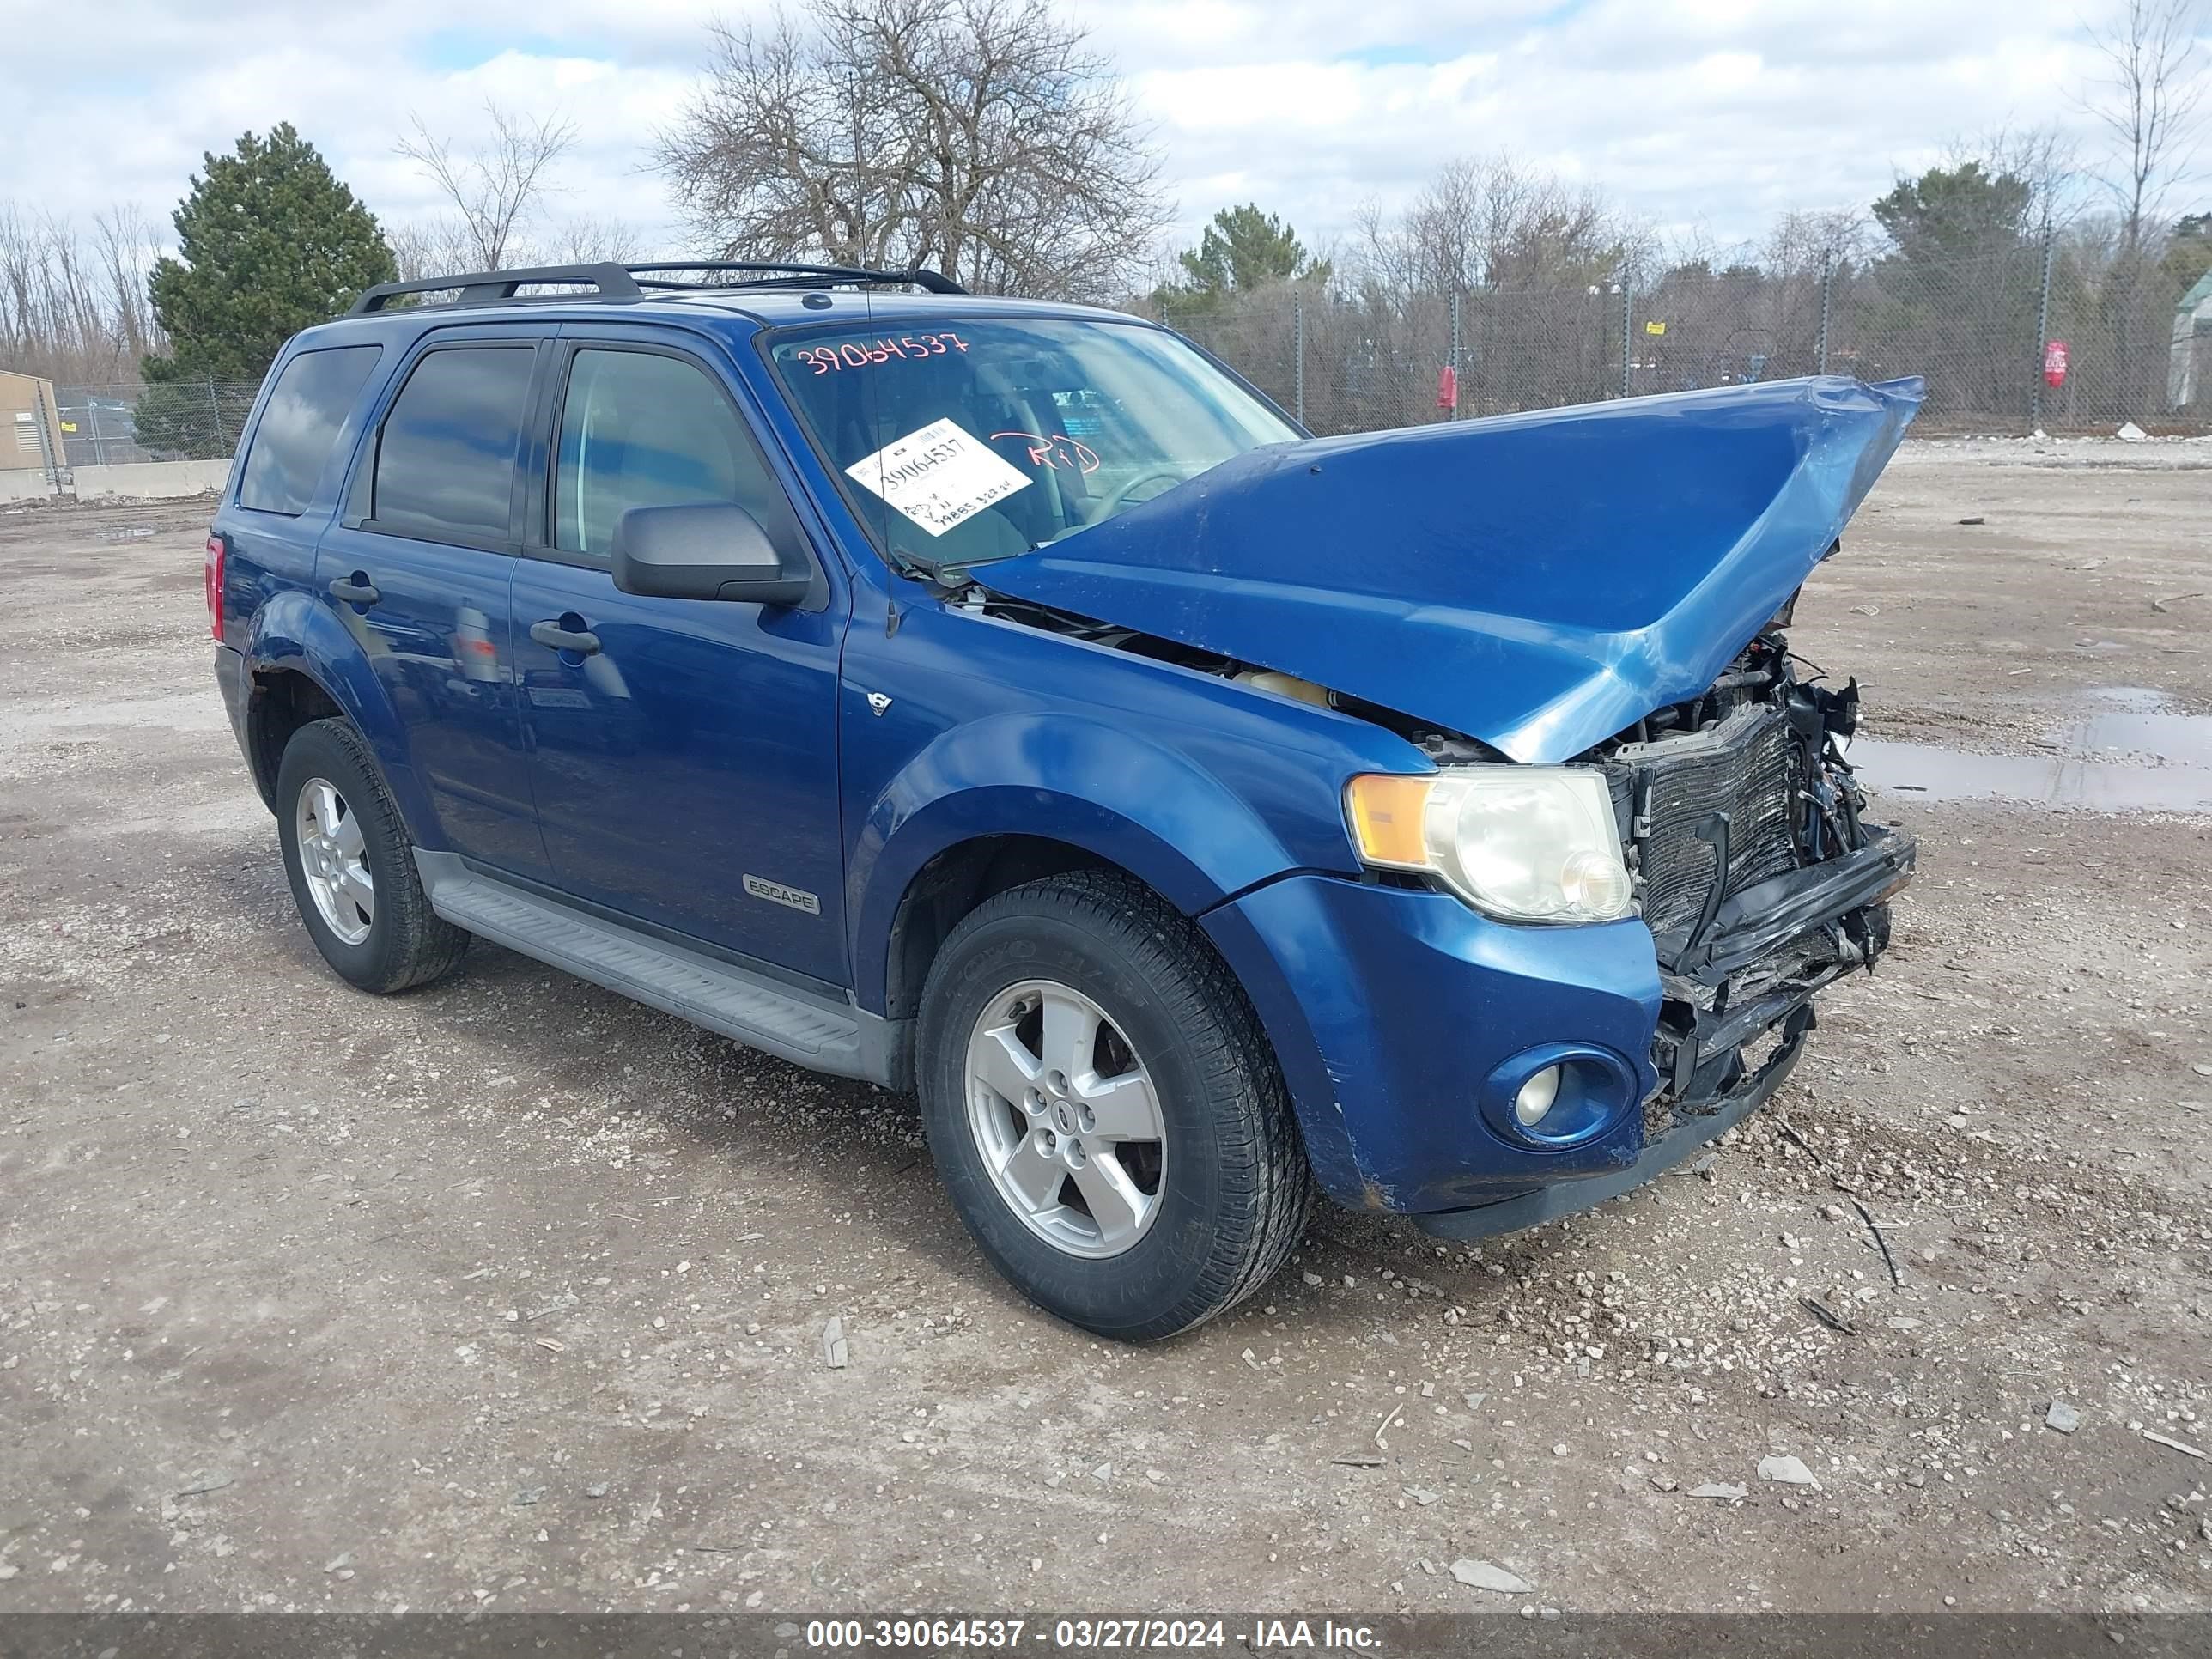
{"x":1536,"y":1097}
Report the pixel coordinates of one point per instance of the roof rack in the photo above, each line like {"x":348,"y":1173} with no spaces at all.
{"x":484,"y":288}
{"x":783,"y":275}
{"x":619,"y":282}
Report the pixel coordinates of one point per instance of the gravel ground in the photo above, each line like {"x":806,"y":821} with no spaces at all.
{"x":511,"y":1293}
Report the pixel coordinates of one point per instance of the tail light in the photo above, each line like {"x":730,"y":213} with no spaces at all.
{"x":216,"y":549}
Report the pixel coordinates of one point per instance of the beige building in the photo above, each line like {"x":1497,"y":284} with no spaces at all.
{"x":21,"y":398}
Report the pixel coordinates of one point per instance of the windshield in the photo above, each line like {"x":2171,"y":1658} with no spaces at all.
{"x":991,"y":438}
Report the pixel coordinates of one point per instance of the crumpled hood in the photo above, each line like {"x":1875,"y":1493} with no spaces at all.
{"x":1539,"y":582}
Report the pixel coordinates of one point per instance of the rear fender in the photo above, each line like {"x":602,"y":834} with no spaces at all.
{"x":292,"y":634}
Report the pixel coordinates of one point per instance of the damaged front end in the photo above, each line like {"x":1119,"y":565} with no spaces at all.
{"x":1760,"y":880}
{"x":1755,"y":880}
{"x":1756,"y":870}
{"x":1535,"y":604}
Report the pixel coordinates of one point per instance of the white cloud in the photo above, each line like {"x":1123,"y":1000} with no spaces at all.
{"x":1719,"y":112}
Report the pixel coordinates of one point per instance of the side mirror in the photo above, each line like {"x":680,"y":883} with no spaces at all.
{"x":703,"y":551}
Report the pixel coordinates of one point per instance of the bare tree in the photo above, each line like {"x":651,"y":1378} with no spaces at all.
{"x":2043,"y":158}
{"x":588,"y":241}
{"x":125,"y":244}
{"x":1435,"y":246}
{"x":73,"y":306}
{"x":1809,"y":241}
{"x":1490,"y":221}
{"x":443,"y":246}
{"x":781,"y":154}
{"x":2150,"y":100}
{"x":496,"y":189}
{"x":984,"y":137}
{"x":432,"y":247}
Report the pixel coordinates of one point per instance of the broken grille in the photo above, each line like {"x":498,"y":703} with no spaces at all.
{"x":1745,"y":768}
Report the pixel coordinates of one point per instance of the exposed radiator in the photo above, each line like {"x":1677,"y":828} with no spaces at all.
{"x":1744,"y":767}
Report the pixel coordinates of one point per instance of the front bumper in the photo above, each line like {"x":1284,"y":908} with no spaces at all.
{"x":1767,"y":952}
{"x":1389,"y":1008}
{"x":1662,"y":1152}
{"x":1393,"y":1010}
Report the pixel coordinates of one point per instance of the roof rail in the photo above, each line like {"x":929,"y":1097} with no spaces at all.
{"x":784,"y":276}
{"x":483,"y":287}
{"x":618,"y":281}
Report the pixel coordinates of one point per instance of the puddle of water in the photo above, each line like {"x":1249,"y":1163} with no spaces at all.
{"x":2128,"y":751}
{"x":2124,"y":722}
{"x":1931,"y":773}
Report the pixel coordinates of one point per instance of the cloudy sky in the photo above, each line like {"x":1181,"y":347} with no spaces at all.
{"x":1697,"y":114}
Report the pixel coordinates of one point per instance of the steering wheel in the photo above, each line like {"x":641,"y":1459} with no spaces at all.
{"x":1121,"y":498}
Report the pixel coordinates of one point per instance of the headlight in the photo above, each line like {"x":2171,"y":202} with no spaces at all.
{"x":1524,"y":843}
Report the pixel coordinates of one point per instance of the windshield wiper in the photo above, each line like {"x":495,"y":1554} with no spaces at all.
{"x":915,"y":567}
{"x":920,"y":570}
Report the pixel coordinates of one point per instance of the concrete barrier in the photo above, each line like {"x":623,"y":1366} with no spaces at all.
{"x":153,"y":480}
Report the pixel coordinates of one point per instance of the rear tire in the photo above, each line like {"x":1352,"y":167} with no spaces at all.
{"x":1048,"y":1149}
{"x":352,"y":867}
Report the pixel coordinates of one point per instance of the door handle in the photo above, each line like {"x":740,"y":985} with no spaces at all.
{"x":355,"y":589}
{"x":580,"y":640}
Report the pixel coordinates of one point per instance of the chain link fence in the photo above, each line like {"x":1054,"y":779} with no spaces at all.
{"x":1977,"y":327}
{"x":173,"y":421}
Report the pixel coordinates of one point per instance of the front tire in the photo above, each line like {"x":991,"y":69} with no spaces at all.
{"x":1105,"y":1111}
{"x":352,"y":867}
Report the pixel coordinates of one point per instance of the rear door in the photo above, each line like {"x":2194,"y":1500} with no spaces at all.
{"x":278,"y":507}
{"x":683,"y":751}
{"x":418,"y":568}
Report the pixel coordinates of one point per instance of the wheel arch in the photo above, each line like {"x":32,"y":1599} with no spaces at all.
{"x":998,"y":801}
{"x":302,"y":664}
{"x":954,"y":882}
{"x":279,"y":702}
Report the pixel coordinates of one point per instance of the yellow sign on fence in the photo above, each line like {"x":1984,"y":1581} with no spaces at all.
{"x":1654,"y":326}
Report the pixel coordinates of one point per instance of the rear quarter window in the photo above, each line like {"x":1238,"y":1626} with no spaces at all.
{"x":300,"y":424}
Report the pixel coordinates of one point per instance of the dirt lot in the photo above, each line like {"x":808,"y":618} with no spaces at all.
{"x":510,"y":1293}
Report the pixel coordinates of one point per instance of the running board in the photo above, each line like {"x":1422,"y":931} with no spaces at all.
{"x":808,"y":1030}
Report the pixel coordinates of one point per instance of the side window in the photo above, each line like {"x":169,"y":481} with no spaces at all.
{"x":301,"y":421}
{"x":445,"y":460}
{"x":638,"y":429}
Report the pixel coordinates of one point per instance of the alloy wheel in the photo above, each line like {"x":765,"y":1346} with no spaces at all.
{"x":1067,"y":1118}
{"x":334,"y":860}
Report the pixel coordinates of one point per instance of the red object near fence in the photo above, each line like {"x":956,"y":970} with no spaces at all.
{"x":2054,"y":362}
{"x":1448,"y":388}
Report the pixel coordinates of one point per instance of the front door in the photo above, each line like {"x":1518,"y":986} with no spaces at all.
{"x":683,"y":751}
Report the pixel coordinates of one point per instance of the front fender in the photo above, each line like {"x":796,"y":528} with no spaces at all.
{"x":293,"y":633}
{"x":1097,"y":787}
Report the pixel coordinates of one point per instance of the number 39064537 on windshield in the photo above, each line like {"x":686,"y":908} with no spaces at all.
{"x":854,"y":354}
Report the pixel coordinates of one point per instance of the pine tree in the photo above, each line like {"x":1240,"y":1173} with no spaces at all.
{"x":1241,"y":250}
{"x":272,"y":243}
{"x":1244,"y":248}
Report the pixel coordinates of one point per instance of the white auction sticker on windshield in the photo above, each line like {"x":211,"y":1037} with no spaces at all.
{"x":938,"y":476}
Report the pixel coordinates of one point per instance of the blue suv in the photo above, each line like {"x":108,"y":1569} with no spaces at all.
{"x":1006,"y":702}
